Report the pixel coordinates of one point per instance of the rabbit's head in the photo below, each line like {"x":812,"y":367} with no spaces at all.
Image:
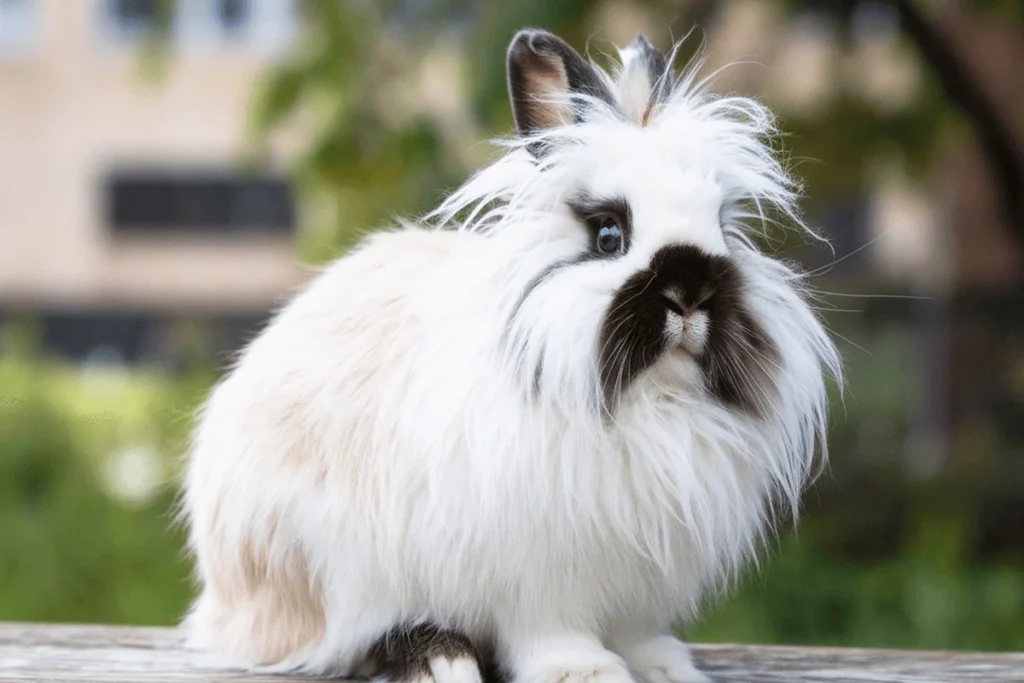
{"x":623,"y":206}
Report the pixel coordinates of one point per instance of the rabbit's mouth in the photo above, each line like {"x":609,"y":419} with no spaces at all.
{"x":692,"y":304}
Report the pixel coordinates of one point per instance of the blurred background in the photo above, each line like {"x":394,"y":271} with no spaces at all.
{"x":170,"y":171}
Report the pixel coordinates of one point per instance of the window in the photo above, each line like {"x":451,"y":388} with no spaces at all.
{"x":98,"y":335}
{"x":124,"y":21}
{"x":207,"y":203}
{"x":117,"y":336}
{"x":272,"y":25}
{"x":19,"y":27}
{"x":134,"y":16}
{"x":210,"y":22}
{"x":267,"y":26}
{"x":232,"y":14}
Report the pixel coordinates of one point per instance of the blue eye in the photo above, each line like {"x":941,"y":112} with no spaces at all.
{"x":609,"y":239}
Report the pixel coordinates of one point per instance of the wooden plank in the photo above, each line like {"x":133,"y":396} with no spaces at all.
{"x":84,"y":654}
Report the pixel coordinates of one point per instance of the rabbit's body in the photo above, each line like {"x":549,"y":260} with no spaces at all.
{"x":441,"y":431}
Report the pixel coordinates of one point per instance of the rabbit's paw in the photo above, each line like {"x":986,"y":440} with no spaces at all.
{"x":663,"y":659}
{"x":443,"y":669}
{"x":596,"y":673}
{"x":424,"y":653}
{"x":569,"y":660}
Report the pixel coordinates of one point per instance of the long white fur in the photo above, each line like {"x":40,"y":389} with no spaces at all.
{"x":383,"y":442}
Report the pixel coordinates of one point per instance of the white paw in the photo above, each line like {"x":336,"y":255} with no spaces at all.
{"x":457,"y":670}
{"x":568,"y":658}
{"x":599,"y":673}
{"x":663,"y":660}
{"x":572,"y":665}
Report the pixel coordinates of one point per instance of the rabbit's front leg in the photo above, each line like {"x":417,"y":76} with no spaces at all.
{"x":657,"y":658}
{"x":562,"y":658}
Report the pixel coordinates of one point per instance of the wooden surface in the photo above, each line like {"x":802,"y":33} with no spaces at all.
{"x":106,"y":653}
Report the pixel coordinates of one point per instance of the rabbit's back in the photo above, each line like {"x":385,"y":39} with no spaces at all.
{"x":295,"y":441}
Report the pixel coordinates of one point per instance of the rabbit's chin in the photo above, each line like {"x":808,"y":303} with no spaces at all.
{"x":675,"y":375}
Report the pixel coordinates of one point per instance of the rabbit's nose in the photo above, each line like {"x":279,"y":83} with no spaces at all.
{"x":685,"y":327}
{"x":673,"y":300}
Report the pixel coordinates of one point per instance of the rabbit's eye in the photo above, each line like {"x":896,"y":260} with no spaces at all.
{"x":609,"y":238}
{"x":607,"y":220}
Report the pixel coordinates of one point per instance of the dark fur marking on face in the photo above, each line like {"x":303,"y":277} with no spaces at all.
{"x":740,"y":363}
{"x":404,"y":653}
{"x":632,"y":335}
{"x":738,"y":360}
{"x":592,"y":210}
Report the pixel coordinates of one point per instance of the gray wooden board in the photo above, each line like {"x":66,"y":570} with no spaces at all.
{"x":45,"y":653}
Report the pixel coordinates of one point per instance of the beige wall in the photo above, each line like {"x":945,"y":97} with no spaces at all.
{"x":78,"y":107}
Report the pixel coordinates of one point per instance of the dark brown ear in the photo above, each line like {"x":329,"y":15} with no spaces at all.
{"x":656,"y":65}
{"x":543,"y":70}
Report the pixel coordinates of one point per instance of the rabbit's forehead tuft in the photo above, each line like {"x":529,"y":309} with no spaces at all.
{"x":672,"y":198}
{"x":664,"y":157}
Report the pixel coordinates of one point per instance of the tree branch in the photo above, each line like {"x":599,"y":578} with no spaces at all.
{"x":998,"y":143}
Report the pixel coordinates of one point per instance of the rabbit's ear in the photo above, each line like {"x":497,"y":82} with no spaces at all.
{"x":645,"y":81}
{"x":543,"y":74}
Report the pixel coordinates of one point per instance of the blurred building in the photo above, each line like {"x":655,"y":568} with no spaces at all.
{"x":122,"y":203}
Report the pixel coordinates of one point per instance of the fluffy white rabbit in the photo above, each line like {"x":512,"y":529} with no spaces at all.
{"x":526,"y":446}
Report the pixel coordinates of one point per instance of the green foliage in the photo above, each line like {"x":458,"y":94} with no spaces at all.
{"x":74,"y":547}
{"x":928,"y":597}
{"x":361,"y":169}
{"x":1009,"y":9}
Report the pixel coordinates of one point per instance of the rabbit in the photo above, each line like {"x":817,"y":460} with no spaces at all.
{"x":523,"y":437}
